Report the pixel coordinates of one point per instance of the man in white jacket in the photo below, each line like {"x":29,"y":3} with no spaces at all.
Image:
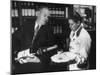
{"x":79,"y":45}
{"x":80,"y":40}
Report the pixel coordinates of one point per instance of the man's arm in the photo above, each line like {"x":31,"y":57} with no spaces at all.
{"x":85,"y":44}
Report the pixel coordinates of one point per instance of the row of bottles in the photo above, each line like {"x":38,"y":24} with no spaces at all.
{"x":28,"y":12}
{"x":14,"y":29}
{"x":29,"y":9}
{"x":57,"y":12}
{"x":57,"y":30}
{"x":14,"y":10}
{"x":14,"y":13}
{"x":24,"y":12}
{"x":32,"y":12}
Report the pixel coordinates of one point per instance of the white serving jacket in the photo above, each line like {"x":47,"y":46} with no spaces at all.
{"x":80,"y":44}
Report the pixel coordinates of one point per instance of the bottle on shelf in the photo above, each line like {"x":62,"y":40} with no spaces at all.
{"x":60,"y":30}
{"x":25,"y":11}
{"x":55,"y":12}
{"x":54,"y":30}
{"x":66,"y":12}
{"x":31,"y":6}
{"x":57,"y":29}
{"x":25,"y":8}
{"x":58,"y":12}
{"x":29,"y":9}
{"x":32,"y":10}
{"x":16,"y":12}
{"x":28,"y":4}
{"x":52,"y":13}
{"x":12,"y":12}
{"x":22,"y":5}
{"x":63,"y":13}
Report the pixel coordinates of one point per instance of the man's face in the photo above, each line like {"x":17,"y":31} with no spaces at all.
{"x":44,"y":13}
{"x":73,"y":25}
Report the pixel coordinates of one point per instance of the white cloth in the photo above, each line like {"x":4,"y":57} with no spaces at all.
{"x":23,"y":53}
{"x":25,"y":56}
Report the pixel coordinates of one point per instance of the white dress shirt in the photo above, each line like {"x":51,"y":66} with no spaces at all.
{"x":36,"y":25}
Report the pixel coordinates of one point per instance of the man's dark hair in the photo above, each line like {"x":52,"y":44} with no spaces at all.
{"x":76,"y":18}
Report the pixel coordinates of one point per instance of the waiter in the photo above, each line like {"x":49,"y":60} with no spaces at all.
{"x":80,"y":43}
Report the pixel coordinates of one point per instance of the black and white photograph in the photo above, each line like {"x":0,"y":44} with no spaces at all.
{"x":52,"y":37}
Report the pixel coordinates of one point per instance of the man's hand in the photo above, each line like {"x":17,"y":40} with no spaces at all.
{"x":79,"y":59}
